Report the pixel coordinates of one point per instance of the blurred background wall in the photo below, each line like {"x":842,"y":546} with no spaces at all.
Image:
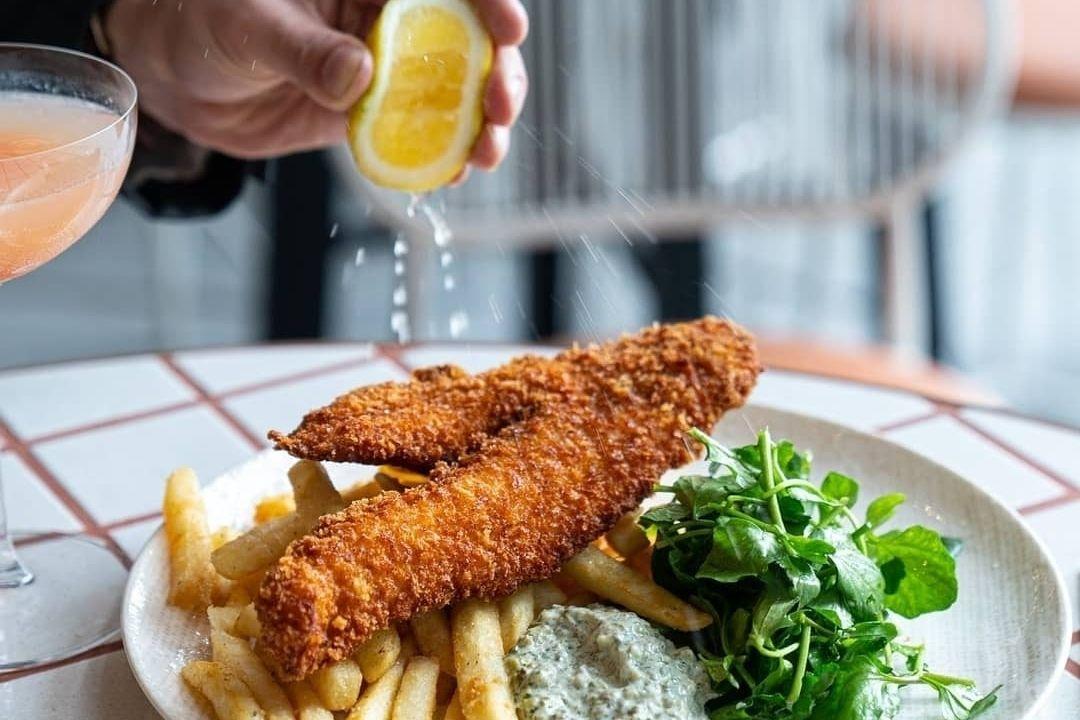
{"x":631,"y":100}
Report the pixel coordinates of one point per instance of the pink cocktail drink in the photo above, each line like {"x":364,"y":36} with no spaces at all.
{"x":62,"y":161}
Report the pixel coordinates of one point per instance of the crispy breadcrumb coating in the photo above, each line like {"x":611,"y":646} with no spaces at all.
{"x":538,"y":458}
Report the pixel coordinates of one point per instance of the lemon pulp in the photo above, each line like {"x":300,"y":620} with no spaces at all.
{"x":414,"y":128}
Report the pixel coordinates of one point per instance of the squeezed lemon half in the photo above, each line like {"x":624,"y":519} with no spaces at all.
{"x":415,"y":126}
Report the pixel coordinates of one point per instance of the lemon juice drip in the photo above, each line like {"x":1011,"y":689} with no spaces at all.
{"x":443,"y":238}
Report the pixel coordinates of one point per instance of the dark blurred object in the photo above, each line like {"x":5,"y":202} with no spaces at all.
{"x":300,"y":210}
{"x":169,"y":175}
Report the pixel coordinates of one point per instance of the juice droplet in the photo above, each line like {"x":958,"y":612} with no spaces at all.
{"x":459,"y":323}
{"x":401,"y":247}
{"x":399,"y":268}
{"x":449,"y":283}
{"x":401,"y":296}
{"x":399,"y":323}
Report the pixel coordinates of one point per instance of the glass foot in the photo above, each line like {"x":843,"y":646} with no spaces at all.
{"x":70,"y":604}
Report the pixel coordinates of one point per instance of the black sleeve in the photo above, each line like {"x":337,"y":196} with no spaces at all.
{"x":64,"y":23}
{"x":169,"y":175}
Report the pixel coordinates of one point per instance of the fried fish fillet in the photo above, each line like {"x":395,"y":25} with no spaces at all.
{"x":532,"y":462}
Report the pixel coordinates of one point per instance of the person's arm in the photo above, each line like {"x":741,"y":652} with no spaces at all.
{"x":169,"y":175}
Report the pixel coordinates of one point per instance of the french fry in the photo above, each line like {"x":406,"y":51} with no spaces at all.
{"x":247,"y":622}
{"x":377,"y":702}
{"x":642,"y":562}
{"x":256,"y":549}
{"x":387,"y":483}
{"x":432,"y":632}
{"x":627,"y":538}
{"x":238,"y":595}
{"x":404,"y":478}
{"x":237,"y":655}
{"x":611,"y":580}
{"x":251,"y":582}
{"x":445,"y":688}
{"x":483,"y":688}
{"x":221,"y":536}
{"x":361,"y":491}
{"x":338,"y":684}
{"x":274,"y":506}
{"x":378,"y":654}
{"x":516,"y":613}
{"x":191,"y":576}
{"x":222,"y":618}
{"x":453,"y":710}
{"x":307,"y":703}
{"x":226,"y":692}
{"x":546,"y":594}
{"x":415,"y":698}
{"x":582,"y":597}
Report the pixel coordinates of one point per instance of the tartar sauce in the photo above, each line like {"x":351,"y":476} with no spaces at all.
{"x":601,"y":663}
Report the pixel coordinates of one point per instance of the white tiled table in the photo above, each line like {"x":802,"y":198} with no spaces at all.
{"x":85,"y":446}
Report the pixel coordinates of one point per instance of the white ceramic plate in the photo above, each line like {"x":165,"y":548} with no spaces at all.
{"x":1009,"y":626}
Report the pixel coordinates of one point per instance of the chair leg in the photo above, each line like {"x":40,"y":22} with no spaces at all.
{"x":544,"y":268}
{"x":675,"y":267}
{"x":301,"y":245}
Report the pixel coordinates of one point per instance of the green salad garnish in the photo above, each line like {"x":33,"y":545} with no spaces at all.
{"x":801,"y":590}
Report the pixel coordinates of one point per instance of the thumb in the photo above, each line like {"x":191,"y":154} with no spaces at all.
{"x":331,"y":67}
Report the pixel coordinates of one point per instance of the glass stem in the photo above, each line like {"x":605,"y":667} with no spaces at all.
{"x":12,"y":572}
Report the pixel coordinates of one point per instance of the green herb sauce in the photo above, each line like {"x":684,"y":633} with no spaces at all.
{"x":600,"y":663}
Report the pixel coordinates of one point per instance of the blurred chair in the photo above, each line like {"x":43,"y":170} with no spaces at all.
{"x":657,"y":119}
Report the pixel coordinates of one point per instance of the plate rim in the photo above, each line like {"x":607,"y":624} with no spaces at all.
{"x":1064,"y":609}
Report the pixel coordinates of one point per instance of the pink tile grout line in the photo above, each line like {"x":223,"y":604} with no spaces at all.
{"x":89,"y":524}
{"x":393,"y":354}
{"x":212,"y":402}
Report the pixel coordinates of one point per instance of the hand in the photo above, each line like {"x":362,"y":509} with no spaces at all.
{"x":260,"y":78}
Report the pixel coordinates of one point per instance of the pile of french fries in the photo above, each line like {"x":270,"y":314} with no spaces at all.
{"x":444,"y":664}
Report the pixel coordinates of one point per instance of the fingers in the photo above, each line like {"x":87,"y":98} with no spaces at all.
{"x":503,"y":101}
{"x":506,"y":20}
{"x":491,"y":147}
{"x":507,"y":87}
{"x":331,"y":67}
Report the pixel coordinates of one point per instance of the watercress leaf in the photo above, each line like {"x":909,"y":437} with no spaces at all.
{"x":804,"y":581}
{"x":686,"y":488}
{"x":893,"y":572}
{"x":666,"y":514}
{"x":857,"y":694}
{"x":813,"y":550}
{"x":882,"y":508}
{"x":794,"y":465}
{"x":748,"y":455}
{"x":929,"y":580}
{"x":983,"y":704}
{"x":718,"y":669}
{"x":825,"y":617}
{"x":829,"y":602}
{"x":796,"y":516}
{"x":739,"y":549}
{"x":777,"y":679}
{"x":840,"y":488}
{"x":953,"y":545}
{"x":867,"y":639}
{"x":772,"y":613}
{"x":858,"y":579}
